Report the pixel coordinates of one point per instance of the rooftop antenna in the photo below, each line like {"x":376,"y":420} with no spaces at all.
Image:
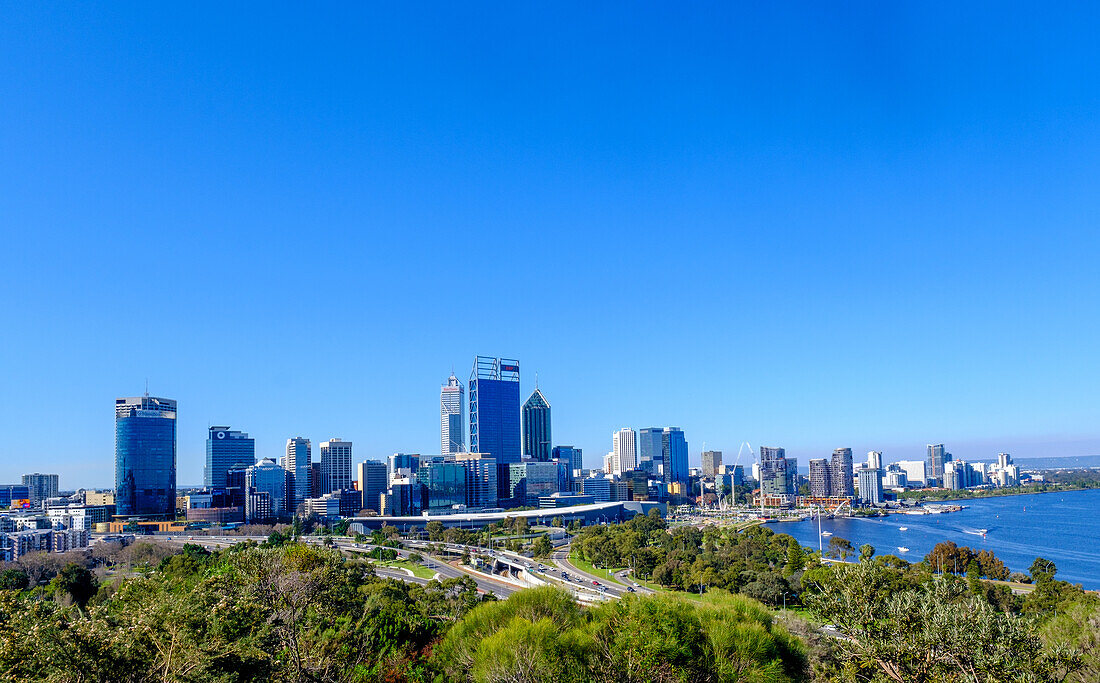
{"x":146,"y":387}
{"x":536,"y":381}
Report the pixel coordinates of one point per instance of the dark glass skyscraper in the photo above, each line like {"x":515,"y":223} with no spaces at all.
{"x":536,"y":427}
{"x":674,"y":452}
{"x":226,"y":450}
{"x":145,"y":456}
{"x":650,"y":446}
{"x":494,"y":414}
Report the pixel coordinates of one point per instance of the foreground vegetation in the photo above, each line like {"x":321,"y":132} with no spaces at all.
{"x":286,"y":611}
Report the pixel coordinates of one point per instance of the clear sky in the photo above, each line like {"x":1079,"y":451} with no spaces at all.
{"x":802,"y":225}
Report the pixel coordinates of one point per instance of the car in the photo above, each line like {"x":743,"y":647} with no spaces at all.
{"x":630,"y":589}
{"x":595,"y":583}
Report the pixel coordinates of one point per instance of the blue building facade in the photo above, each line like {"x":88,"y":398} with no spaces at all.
{"x":268,"y":478}
{"x":570,"y":457}
{"x":536,"y":427}
{"x":13,"y":492}
{"x":443,"y":484}
{"x":226,"y":449}
{"x":145,"y":456}
{"x":674,"y":452}
{"x":495,"y":414}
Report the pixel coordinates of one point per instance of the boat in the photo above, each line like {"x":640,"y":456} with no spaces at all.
{"x":902,"y":549}
{"x":826,"y":533}
{"x":903,"y":528}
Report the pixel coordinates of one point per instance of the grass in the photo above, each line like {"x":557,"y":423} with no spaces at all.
{"x":593,"y":570}
{"x":418,"y":570}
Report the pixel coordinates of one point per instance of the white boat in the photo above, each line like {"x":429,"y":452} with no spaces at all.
{"x":902,"y":549}
{"x":903,"y":528}
{"x":826,"y":533}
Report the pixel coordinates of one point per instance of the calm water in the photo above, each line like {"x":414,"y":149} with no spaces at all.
{"x":1062,"y":527}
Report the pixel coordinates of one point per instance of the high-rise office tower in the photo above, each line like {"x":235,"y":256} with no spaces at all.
{"x":372,"y":478}
{"x":40,"y":486}
{"x":711,"y":462}
{"x":226,"y":449}
{"x":841,"y":473}
{"x":870,"y":485}
{"x":536,"y":427}
{"x":650,"y":458}
{"x":937,"y":456}
{"x":335,"y":465}
{"x":145,"y":456}
{"x":674,"y":453}
{"x":482,"y":485}
{"x":569,"y":455}
{"x":266,"y":490}
{"x":297,"y":464}
{"x":624,"y":447}
{"x":874,"y":460}
{"x":820,"y":478}
{"x":494,"y":414}
{"x":451,"y":398}
{"x":403,"y":465}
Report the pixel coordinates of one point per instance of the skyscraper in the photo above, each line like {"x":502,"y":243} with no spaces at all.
{"x":937,"y":456}
{"x":650,"y":459}
{"x":870,"y":485}
{"x":40,"y":486}
{"x":225,"y":450}
{"x":625,"y":450}
{"x":494,"y":414}
{"x":266,"y":490}
{"x":820,"y":479}
{"x":536,"y":427}
{"x":569,"y":455}
{"x":372,"y":478}
{"x":335,"y":465}
{"x":776,"y":474}
{"x":674,"y":453}
{"x":841,"y":473}
{"x":874,"y":460}
{"x":711,"y":462}
{"x":297,"y":464}
{"x":451,"y":398}
{"x":145,"y":456}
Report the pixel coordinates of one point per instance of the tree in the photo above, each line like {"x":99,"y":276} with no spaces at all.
{"x":557,"y":522}
{"x":435,"y":530}
{"x":796,"y":557}
{"x":866,"y":552}
{"x":542,"y":546}
{"x":13,"y":580}
{"x":77,"y":582}
{"x":935,"y":632}
{"x":840,"y":547}
{"x":1042,"y":570}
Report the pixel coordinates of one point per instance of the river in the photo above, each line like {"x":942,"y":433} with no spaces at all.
{"x":1063,"y":527}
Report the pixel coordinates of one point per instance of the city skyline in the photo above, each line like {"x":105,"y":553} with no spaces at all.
{"x":863,"y":229}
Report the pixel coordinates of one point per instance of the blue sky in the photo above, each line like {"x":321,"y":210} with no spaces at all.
{"x":803,"y":225}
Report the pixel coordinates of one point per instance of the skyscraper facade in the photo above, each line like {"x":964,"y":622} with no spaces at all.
{"x":372,"y":478}
{"x":451,"y":399}
{"x":572,"y":457}
{"x":776,"y":474}
{"x":335,"y":465}
{"x":870,"y":486}
{"x":937,"y":456}
{"x":874,"y":460}
{"x":266,"y":491}
{"x":145,"y":456}
{"x":494,"y":414}
{"x":482,"y":485}
{"x":820,"y":479}
{"x":297,"y":462}
{"x":841,"y":473}
{"x":41,"y":487}
{"x":711,"y":462}
{"x":225,"y":450}
{"x":443,"y":482}
{"x":674,"y":453}
{"x":625,"y":451}
{"x":536,"y":427}
{"x":650,"y":458}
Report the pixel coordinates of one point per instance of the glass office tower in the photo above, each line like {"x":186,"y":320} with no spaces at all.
{"x":494,"y":414}
{"x":225,"y":450}
{"x":536,"y":427}
{"x":650,"y":446}
{"x":674,"y":452}
{"x":145,"y":456}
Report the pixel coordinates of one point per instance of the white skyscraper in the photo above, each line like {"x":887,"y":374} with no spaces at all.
{"x":874,"y":460}
{"x":625,"y":450}
{"x":335,"y":465}
{"x":451,"y":399}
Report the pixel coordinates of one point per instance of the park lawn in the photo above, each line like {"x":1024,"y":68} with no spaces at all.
{"x":418,"y":570}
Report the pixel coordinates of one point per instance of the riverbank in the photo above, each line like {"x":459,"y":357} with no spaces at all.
{"x":940,"y":495}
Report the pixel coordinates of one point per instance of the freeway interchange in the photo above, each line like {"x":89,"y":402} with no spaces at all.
{"x":499,"y":573}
